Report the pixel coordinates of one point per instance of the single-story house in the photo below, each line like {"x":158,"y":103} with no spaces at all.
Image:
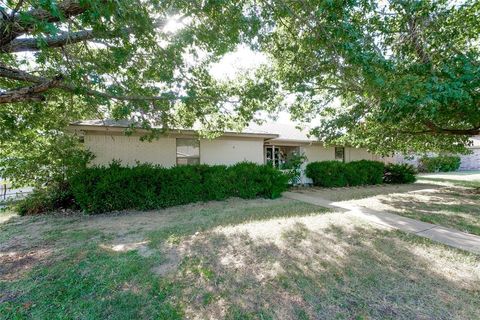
{"x":272,"y":142}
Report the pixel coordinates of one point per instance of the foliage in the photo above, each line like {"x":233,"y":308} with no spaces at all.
{"x":394,"y":76}
{"x":399,"y":173}
{"x":376,"y":74}
{"x":364,"y":172}
{"x":145,"y":186}
{"x":339,"y":174}
{"x":441,"y":163}
{"x":47,"y":199}
{"x":294,"y":167}
{"x":147,"y":61}
{"x":327,"y":173}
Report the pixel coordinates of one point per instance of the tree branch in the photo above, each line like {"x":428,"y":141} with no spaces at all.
{"x":32,"y":93}
{"x":15,"y":74}
{"x":31,"y":44}
{"x":11,"y":28}
{"x":434,"y":129}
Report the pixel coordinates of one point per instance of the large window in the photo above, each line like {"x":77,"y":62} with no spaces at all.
{"x":188,"y":151}
{"x":340,"y":153}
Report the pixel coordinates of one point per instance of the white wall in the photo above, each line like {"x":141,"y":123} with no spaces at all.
{"x":355,"y":154}
{"x":130,"y":149}
{"x":231,"y":150}
{"x":318,"y":153}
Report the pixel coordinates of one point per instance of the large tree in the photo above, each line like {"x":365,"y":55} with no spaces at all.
{"x":62,"y":61}
{"x":389,"y":75}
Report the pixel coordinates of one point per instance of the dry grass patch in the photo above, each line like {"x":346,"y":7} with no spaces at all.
{"x":324,"y":267}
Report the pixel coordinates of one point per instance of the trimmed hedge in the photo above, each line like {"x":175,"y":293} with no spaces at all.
{"x":439,"y":164}
{"x":103,"y":189}
{"x":399,"y":173}
{"x":340,"y":174}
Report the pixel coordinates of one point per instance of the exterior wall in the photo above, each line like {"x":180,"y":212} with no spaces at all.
{"x":318,"y":153}
{"x":471,"y":161}
{"x":229,"y":151}
{"x":354,"y":154}
{"x":129,"y":150}
{"x":468,"y":162}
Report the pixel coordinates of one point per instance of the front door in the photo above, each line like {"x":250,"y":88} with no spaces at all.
{"x":272,"y":155}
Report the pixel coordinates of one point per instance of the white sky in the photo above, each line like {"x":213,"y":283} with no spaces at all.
{"x":243,"y":60}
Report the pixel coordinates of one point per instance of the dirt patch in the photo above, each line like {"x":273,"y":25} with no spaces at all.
{"x":15,"y":264}
{"x":173,"y":257}
{"x":126,"y":222}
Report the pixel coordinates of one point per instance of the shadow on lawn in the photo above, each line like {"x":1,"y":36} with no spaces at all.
{"x":450,"y":207}
{"x":259,"y":270}
{"x":361,"y":192}
{"x":337,"y":272}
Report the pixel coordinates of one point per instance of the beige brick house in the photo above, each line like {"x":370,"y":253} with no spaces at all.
{"x":273,"y":143}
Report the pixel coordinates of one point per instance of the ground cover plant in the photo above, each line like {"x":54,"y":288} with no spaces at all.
{"x":237,"y":259}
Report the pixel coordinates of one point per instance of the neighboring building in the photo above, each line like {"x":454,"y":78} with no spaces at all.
{"x":468,"y":162}
{"x":472,"y":161}
{"x":259,"y":144}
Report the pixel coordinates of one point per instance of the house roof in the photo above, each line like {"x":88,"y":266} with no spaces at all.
{"x":120,"y":125}
{"x":286,"y":132}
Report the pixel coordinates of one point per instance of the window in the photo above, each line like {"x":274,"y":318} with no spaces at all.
{"x":188,"y":151}
{"x":340,"y":153}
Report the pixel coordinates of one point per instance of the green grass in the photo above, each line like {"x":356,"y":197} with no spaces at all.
{"x":228,"y":260}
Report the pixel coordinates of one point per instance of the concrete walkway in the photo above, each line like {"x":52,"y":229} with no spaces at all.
{"x":448,"y":236}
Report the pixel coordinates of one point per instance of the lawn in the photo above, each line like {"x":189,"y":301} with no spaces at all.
{"x":449,"y":203}
{"x":238,"y":259}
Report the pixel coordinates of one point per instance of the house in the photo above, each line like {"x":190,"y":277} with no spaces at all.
{"x":260,"y":144}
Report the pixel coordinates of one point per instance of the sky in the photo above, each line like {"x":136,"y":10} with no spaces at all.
{"x":242,"y":60}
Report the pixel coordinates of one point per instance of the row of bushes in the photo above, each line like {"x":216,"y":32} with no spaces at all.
{"x":439,"y":164}
{"x":355,"y":173}
{"x":103,"y":189}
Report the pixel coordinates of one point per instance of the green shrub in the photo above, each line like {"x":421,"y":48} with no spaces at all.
{"x":103,"y":189}
{"x":364,"y":172}
{"x":441,"y":163}
{"x":399,"y":173}
{"x":339,"y":174}
{"x":327,"y":173}
{"x":293,"y":167}
{"x":46,"y":199}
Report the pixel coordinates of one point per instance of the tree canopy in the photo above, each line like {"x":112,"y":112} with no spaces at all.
{"x":392,"y":76}
{"x":62,"y":61}
{"x":389,"y":76}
